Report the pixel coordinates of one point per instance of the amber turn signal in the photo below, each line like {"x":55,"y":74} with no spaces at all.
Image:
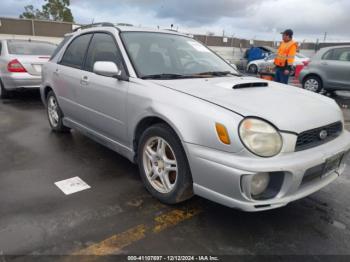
{"x":222,"y":133}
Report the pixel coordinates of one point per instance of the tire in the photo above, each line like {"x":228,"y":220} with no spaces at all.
{"x":170,"y":187}
{"x":253,"y":69}
{"x":4,"y":94}
{"x":313,"y":83}
{"x":54,"y":114}
{"x":292,"y":71}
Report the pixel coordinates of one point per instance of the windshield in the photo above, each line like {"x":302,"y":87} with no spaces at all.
{"x":19,"y":47}
{"x":167,"y":54}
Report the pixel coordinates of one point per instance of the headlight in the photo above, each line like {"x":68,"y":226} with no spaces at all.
{"x":260,"y":137}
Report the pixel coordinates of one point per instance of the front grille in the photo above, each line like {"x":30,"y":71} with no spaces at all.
{"x":311,"y":138}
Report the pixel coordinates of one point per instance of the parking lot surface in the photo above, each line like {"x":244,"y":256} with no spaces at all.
{"x":117,"y":216}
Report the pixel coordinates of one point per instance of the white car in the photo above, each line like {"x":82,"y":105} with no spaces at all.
{"x":268,"y":62}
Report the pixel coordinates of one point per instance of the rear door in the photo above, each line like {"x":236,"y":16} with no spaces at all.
{"x":104,"y":98}
{"x":339,"y":68}
{"x":68,"y":75}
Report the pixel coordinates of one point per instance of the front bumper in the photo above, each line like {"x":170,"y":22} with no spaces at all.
{"x":218,"y":175}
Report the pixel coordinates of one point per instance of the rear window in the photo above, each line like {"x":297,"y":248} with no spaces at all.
{"x":30,"y":48}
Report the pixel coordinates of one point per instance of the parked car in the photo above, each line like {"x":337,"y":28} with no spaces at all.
{"x":243,"y":62}
{"x":20,"y":64}
{"x":193,"y":126}
{"x":267,"y":63}
{"x":329,"y":70}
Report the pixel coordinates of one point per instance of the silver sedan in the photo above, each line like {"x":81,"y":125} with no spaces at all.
{"x":190,"y":121}
{"x":20,"y":64}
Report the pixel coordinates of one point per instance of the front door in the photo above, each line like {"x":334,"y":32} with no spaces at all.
{"x":104,"y":98}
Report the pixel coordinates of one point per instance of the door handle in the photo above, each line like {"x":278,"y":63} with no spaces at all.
{"x":324,"y":63}
{"x":84,"y":80}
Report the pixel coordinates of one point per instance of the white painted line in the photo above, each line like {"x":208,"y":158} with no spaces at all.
{"x":72,"y":185}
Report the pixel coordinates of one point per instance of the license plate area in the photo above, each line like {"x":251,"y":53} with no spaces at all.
{"x":332,"y":164}
{"x":37,"y":67}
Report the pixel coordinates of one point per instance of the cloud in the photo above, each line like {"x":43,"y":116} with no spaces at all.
{"x":260,"y":19}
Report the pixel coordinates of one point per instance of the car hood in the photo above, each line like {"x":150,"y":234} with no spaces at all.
{"x":288,"y":108}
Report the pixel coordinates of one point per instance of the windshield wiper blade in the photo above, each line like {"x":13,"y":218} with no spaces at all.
{"x":218,"y":73}
{"x":165,"y":76}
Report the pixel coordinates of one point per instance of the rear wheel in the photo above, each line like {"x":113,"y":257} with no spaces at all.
{"x":3,"y":92}
{"x":313,"y":84}
{"x":163,"y":165}
{"x":253,"y":69}
{"x":54,"y":114}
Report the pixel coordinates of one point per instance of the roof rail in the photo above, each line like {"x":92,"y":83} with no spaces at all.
{"x":94,"y":25}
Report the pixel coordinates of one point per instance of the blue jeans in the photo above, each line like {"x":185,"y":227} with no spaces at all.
{"x":280,"y":77}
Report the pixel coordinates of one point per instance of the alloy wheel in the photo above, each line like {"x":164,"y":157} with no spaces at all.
{"x":52,"y":108}
{"x":160,"y":164}
{"x":311,"y":85}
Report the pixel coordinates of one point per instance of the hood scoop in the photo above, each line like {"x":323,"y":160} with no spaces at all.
{"x":252,"y":84}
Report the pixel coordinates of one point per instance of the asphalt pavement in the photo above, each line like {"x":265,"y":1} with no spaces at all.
{"x":117,"y":215}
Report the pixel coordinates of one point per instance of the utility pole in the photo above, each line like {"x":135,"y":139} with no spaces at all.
{"x":325,"y":37}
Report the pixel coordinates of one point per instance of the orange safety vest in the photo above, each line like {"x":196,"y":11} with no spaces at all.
{"x":286,"y":53}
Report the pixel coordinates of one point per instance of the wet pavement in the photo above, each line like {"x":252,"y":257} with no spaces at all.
{"x":116,"y":215}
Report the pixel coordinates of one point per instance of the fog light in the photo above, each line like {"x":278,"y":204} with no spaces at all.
{"x":259,"y":183}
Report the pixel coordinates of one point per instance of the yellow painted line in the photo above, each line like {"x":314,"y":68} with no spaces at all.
{"x":116,"y":243}
{"x":172,"y":218}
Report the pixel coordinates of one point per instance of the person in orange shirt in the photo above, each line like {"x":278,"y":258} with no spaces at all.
{"x":285,"y":57}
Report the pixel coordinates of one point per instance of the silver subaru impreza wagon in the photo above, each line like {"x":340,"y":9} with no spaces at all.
{"x":192,"y":123}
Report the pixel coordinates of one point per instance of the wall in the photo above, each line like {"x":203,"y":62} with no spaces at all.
{"x":14,"y":26}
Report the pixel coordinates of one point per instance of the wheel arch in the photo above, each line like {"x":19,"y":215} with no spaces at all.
{"x":313,"y":74}
{"x":147,"y":122}
{"x":44,"y":92}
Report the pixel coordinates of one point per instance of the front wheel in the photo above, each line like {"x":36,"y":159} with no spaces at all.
{"x":163,"y":165}
{"x":54,"y":114}
{"x":313,"y":84}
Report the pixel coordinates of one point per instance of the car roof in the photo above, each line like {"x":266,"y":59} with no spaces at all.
{"x":333,"y":47}
{"x":121,"y":28}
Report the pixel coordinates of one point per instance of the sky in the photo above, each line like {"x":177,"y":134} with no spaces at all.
{"x":250,"y":19}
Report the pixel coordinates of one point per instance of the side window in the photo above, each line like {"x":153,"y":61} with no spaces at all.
{"x":74,"y":55}
{"x":59,"y":47}
{"x":328,"y":55}
{"x":102,"y":48}
{"x":342,"y":54}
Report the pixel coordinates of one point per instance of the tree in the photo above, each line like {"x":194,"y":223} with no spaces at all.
{"x":56,"y":10}
{"x":31,"y":13}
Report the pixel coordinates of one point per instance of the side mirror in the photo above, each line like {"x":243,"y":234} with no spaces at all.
{"x":106,"y":68}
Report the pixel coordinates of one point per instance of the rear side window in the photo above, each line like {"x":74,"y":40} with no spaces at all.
{"x":342,"y":54}
{"x":20,"y":47}
{"x":102,"y":48}
{"x":75,"y":52}
{"x":59,"y":47}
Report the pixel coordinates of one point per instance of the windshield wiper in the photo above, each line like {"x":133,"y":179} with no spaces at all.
{"x":218,"y":73}
{"x":165,"y":76}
